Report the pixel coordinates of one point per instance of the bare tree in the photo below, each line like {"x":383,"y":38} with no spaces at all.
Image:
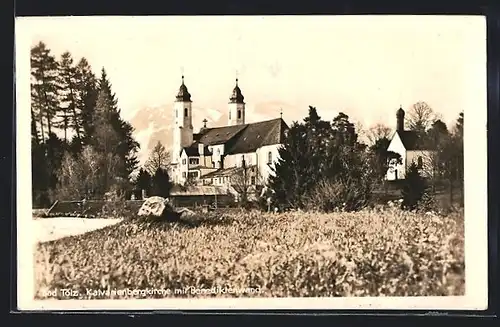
{"x":377,"y":132}
{"x":246,"y":182}
{"x":420,"y":117}
{"x":159,"y":158}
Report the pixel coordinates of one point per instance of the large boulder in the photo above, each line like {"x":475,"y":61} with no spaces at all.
{"x":158,"y":207}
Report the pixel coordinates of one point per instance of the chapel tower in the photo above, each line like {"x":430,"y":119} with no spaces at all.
{"x":400,"y":120}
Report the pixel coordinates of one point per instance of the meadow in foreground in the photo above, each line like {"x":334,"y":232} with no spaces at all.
{"x":369,"y":253}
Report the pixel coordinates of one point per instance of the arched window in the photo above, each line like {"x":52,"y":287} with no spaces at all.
{"x":239,"y":114}
{"x":176,"y":113}
{"x":420,"y":162}
{"x":269,"y":157}
{"x":185,"y":112}
{"x":230,"y":114}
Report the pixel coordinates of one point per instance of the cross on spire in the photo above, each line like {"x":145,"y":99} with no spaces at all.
{"x":205,"y":121}
{"x":236,"y":77}
{"x":281,"y":112}
{"x":182,"y":73}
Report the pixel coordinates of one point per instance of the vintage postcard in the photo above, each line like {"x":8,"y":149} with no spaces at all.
{"x":232,"y":162}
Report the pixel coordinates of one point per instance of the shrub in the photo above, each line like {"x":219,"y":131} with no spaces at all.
{"x":414,"y":188}
{"x":329,"y":196}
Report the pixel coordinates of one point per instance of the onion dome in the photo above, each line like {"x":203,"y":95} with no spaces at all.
{"x":183,"y":94}
{"x":236,"y":97}
{"x":400,"y":112}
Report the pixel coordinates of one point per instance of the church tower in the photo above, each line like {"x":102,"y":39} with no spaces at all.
{"x":236,"y":107}
{"x":183,"y":127}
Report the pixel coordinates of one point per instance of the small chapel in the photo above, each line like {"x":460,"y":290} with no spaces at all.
{"x":214,"y":154}
{"x":410,"y":146}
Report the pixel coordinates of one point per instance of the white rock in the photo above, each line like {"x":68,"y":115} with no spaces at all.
{"x":158,"y":207}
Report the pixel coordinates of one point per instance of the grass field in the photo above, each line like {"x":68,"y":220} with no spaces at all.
{"x":369,"y":253}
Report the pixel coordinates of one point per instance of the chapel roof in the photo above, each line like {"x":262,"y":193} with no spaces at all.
{"x":412,"y":140}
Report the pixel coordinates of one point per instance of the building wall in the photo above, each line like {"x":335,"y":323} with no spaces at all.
{"x":217,"y":153}
{"x":397,"y":171}
{"x":235,"y":160}
{"x":183,"y":168}
{"x":264,"y":169}
{"x":427,"y":161}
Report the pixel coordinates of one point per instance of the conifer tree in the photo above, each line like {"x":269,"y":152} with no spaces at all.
{"x":126,"y":147}
{"x":70,"y":112}
{"x":414,"y":188}
{"x":290,"y":175}
{"x":143,"y":180}
{"x":161,"y":184}
{"x":44,"y":88}
{"x":87,"y":98}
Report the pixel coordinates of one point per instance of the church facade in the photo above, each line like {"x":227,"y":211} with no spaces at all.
{"x":216,"y":155}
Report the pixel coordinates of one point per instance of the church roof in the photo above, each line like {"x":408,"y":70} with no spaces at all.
{"x":412,"y":140}
{"x":218,"y":135}
{"x":236,"y":96}
{"x":257,"y":135}
{"x":244,"y":138}
{"x":183,"y":94}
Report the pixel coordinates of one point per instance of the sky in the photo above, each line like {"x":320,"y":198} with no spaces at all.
{"x":365,"y":66}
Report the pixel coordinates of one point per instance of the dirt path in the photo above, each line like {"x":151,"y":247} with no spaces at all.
{"x":48,"y":229}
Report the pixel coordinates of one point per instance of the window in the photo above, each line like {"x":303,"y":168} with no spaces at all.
{"x":213,"y":164}
{"x":193,"y":174}
{"x":184,"y":174}
{"x":269,"y":157}
{"x":176,"y":113}
{"x":194,"y":161}
{"x":252,"y":180}
{"x":420,"y":163}
{"x":230,"y":114}
{"x":184,"y":161}
{"x":239,"y":114}
{"x":185,"y":112}
{"x":218,"y":164}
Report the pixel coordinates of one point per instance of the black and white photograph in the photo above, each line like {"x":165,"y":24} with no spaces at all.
{"x":251,"y":162}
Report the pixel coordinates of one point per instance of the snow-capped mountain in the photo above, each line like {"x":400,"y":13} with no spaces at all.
{"x":153,"y":124}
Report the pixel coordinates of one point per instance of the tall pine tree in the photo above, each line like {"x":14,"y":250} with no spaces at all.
{"x":70,"y":113}
{"x":87,"y":98}
{"x":127,"y":147}
{"x":44,"y":88}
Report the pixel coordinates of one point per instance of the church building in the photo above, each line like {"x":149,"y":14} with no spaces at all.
{"x":214,"y":155}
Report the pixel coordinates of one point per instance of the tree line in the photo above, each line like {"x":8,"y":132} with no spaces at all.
{"x":324,"y":166}
{"x":95,"y":152}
